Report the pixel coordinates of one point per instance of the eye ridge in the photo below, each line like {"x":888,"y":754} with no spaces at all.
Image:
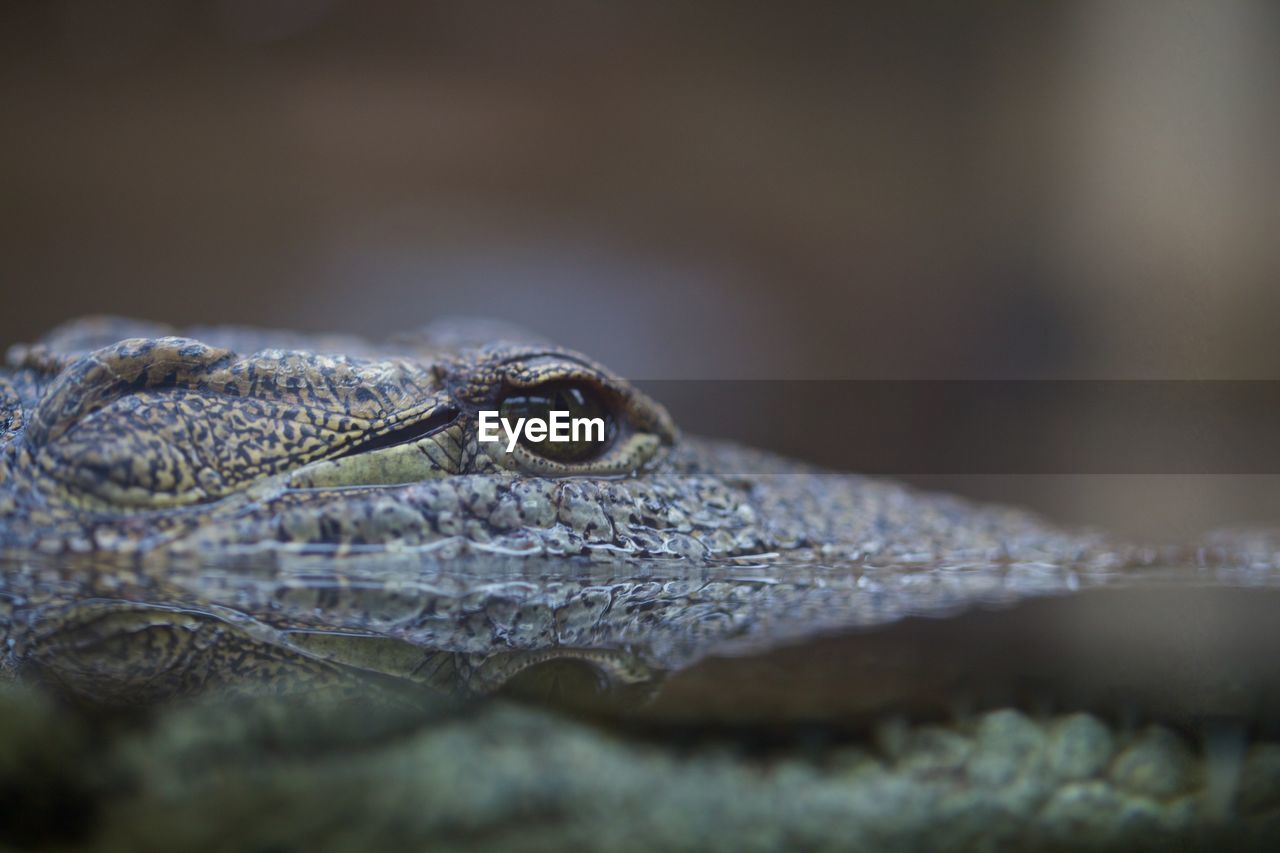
{"x":580,"y":400}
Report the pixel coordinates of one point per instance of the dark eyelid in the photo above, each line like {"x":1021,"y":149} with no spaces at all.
{"x":534,"y":359}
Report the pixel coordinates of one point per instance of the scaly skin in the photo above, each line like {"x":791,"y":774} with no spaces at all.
{"x":123,"y":439}
{"x":247,"y":510}
{"x":132,"y":447}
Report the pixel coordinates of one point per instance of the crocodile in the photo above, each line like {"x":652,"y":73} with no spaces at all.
{"x":240,"y":511}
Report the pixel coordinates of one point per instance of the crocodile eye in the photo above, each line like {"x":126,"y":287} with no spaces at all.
{"x":590,"y":423}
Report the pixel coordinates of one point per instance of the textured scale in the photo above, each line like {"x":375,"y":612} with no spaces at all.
{"x":244,"y":511}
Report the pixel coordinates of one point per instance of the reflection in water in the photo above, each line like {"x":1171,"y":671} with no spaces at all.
{"x":751,"y":643}
{"x":849,"y":705}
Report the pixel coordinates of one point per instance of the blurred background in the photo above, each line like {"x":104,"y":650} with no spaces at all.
{"x":889,"y":190}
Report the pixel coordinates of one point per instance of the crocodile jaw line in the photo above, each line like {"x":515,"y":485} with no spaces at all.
{"x":435,"y":456}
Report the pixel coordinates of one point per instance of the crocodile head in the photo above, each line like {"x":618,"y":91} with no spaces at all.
{"x":382,"y":546}
{"x":129,"y":437}
{"x":127,"y":444}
